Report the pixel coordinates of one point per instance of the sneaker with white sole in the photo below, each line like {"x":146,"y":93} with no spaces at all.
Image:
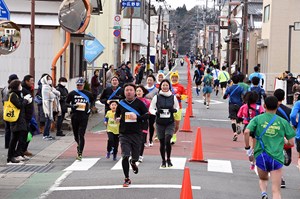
{"x":19,"y":158}
{"x":13,"y":161}
{"x":151,"y":144}
{"x":141,"y":159}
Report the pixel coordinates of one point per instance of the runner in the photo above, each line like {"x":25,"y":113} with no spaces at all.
{"x":207,"y":89}
{"x":269,"y":131}
{"x":260,"y":91}
{"x":131,"y":113}
{"x":284,"y":112}
{"x":235,"y":93}
{"x":215,"y":74}
{"x":248,"y":111}
{"x":112,"y":128}
{"x":179,"y":91}
{"x":80,"y":101}
{"x":198,"y":74}
{"x":152,"y":91}
{"x":223,"y":78}
{"x":294,"y":116}
{"x":164,"y":105}
{"x":141,"y":91}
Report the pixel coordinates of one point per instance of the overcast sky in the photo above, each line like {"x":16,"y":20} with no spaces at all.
{"x":188,"y":3}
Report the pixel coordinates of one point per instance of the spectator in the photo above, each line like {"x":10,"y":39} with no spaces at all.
{"x":290,"y":80}
{"x":51,"y":104}
{"x":4,"y":94}
{"x":95,"y":87}
{"x":109,"y":75}
{"x":38,"y":99}
{"x":61,"y":87}
{"x":296,"y":88}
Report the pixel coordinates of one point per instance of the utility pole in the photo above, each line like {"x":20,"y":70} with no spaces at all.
{"x":228,"y":55}
{"x":130,"y":52}
{"x":245,"y":35}
{"x":148,"y":46}
{"x":214,"y":43}
{"x":204,"y":21}
{"x":32,"y":31}
{"x":118,"y":39}
{"x":219,"y":34}
{"x":162,"y":38}
{"x":157,"y":41}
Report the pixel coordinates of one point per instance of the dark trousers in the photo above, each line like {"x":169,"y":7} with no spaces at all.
{"x":7,"y":134}
{"x":18,"y":140}
{"x":79,"y":124}
{"x":144,"y":140}
{"x":59,"y":122}
{"x":151,"y":127}
{"x":47,"y":127}
{"x":113,"y":141}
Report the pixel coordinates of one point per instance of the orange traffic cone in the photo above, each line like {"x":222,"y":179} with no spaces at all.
{"x":198,"y":152}
{"x":186,"y":189}
{"x":190,"y":106}
{"x":186,"y":123}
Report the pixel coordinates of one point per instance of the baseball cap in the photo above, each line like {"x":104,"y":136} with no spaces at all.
{"x":80,"y":81}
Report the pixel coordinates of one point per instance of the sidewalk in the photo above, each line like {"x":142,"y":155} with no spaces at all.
{"x":44,"y":153}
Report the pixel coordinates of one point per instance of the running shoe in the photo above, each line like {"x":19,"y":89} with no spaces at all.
{"x":141,"y":159}
{"x":47,"y":138}
{"x":107,"y":155}
{"x":127,"y":182}
{"x":163,"y":164}
{"x":19,"y":158}
{"x":282,"y":183}
{"x":217,"y":91}
{"x":151,"y":144}
{"x":79,"y":157}
{"x":134,"y":167}
{"x":169,"y":163}
{"x":13,"y":161}
{"x":115,"y":157}
{"x":174,"y":139}
{"x":264,"y":195}
{"x":235,"y":136}
{"x":207,"y":106}
{"x":252,"y":167}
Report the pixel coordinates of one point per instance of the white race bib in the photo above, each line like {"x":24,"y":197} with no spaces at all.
{"x":165,"y":114}
{"x":81,"y":106}
{"x":127,"y":117}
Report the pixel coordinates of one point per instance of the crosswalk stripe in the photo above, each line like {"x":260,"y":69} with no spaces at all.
{"x":140,"y":186}
{"x":178,"y":163}
{"x":223,"y":166}
{"x":83,"y":165}
{"x":118,"y":165}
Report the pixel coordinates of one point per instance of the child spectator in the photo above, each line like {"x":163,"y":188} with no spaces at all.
{"x":112,"y":130}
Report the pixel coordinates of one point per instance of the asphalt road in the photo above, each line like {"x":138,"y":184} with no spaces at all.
{"x":225,"y":176}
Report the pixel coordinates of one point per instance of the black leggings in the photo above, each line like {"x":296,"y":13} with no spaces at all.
{"x":165,"y":146}
{"x":144,"y":140}
{"x":151,"y":127}
{"x":113,"y":141}
{"x":79,"y":124}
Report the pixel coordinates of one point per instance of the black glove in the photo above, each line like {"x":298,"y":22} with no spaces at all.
{"x":224,"y":97}
{"x":160,"y":111}
{"x":173,"y":110}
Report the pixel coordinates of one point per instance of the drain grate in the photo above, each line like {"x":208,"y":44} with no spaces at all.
{"x":28,"y":168}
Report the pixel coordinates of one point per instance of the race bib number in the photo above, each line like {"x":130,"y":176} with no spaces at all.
{"x":81,"y":106}
{"x":128,"y":117}
{"x":165,"y":114}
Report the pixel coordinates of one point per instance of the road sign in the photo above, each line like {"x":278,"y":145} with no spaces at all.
{"x":131,"y":4}
{"x":117,"y":22}
{"x":4,"y":11}
{"x":117,"y":33}
{"x":92,"y":49}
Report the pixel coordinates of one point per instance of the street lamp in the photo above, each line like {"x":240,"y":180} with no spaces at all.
{"x":296,"y":27}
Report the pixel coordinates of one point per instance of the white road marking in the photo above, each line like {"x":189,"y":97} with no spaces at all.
{"x":118,"y":165}
{"x":211,"y":102}
{"x":215,"y":120}
{"x":83,"y":165}
{"x":178,"y":163}
{"x":141,"y":186}
{"x":223,"y":166}
{"x":55,"y":185}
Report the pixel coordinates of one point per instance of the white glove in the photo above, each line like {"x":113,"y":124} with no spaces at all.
{"x":249,"y":152}
{"x":28,"y":97}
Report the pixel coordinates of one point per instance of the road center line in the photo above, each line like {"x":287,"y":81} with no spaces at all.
{"x":141,"y":186}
